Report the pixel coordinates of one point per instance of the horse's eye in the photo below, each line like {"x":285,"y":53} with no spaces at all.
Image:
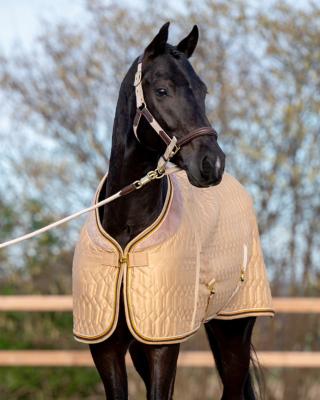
{"x":161,"y":92}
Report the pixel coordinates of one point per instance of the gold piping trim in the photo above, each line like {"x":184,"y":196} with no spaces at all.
{"x":249,"y":311}
{"x":122,"y":254}
{"x":115,"y":315}
{"x":156,"y":224}
{"x":127,"y":280}
{"x":98,"y":222}
{"x":142,"y":234}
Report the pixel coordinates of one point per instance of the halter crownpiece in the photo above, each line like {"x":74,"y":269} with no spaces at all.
{"x":173,"y":145}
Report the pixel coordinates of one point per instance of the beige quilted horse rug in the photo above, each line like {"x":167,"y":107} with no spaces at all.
{"x":201,"y":259}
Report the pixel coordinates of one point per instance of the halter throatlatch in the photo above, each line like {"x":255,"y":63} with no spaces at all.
{"x":173,"y":145}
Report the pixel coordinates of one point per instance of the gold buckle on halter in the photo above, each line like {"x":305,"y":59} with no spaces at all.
{"x":174,"y":151}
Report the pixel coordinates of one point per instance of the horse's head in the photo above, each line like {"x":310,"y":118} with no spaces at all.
{"x":175,"y":96}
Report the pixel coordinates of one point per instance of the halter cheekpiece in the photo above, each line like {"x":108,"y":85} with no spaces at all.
{"x":173,"y":145}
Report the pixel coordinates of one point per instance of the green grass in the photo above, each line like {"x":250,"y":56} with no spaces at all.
{"x":25,"y":383}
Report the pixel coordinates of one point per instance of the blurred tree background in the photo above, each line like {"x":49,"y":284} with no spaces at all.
{"x":261,"y":64}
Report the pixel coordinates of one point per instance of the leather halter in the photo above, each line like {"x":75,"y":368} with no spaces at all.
{"x":173,"y":145}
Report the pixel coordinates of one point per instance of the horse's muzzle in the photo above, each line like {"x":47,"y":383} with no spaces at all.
{"x":212,"y":169}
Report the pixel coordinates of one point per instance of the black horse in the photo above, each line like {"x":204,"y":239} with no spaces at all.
{"x":175,"y":95}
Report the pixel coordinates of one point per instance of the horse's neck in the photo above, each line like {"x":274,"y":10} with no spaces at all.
{"x":129,"y":215}
{"x":125,"y":218}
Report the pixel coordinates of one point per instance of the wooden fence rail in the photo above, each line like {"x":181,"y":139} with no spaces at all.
{"x":293,"y":305}
{"x":82,"y":358}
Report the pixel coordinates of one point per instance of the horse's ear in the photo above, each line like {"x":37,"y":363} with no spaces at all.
{"x":158,"y":44}
{"x":189,"y":43}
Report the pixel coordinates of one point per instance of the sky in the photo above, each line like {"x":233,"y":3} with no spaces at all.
{"x":20,"y":20}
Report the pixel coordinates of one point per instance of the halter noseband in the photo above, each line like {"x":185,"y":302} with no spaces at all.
{"x":173,"y":145}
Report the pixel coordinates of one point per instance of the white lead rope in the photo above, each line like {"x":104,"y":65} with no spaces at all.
{"x":77,"y":214}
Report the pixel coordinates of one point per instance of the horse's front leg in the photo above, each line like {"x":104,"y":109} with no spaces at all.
{"x":109,"y":359}
{"x":230,"y":342}
{"x":157,"y":366}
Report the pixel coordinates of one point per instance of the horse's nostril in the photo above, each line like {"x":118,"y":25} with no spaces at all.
{"x":211,"y":169}
{"x":206,"y":167}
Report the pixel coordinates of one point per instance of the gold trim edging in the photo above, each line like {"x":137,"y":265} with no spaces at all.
{"x":122,"y":255}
